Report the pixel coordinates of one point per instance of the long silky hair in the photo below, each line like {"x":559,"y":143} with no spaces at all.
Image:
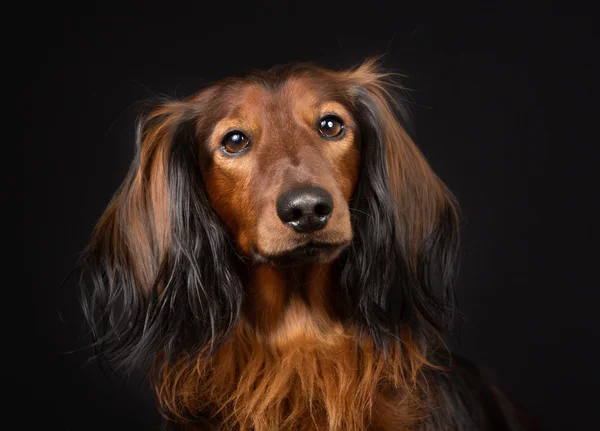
{"x":400,"y":268}
{"x":161,"y":263}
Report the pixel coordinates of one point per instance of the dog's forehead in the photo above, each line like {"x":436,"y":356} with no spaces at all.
{"x":292,"y":95}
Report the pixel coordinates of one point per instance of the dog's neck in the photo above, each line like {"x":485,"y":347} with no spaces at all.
{"x":276,"y":294}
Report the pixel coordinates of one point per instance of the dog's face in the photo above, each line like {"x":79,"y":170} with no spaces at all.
{"x":284,"y":162}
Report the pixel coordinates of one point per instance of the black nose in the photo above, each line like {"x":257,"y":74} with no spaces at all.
{"x":306,"y":210}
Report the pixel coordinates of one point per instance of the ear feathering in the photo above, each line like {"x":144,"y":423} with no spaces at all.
{"x":400,"y":268}
{"x":161,"y":264}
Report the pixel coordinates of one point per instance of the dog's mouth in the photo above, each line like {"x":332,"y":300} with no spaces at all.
{"x":305,"y":253}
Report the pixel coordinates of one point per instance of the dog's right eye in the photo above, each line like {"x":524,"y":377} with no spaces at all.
{"x":235,"y":142}
{"x":330,"y":127}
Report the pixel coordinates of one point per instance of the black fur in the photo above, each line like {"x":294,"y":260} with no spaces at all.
{"x":201,"y":295}
{"x":375,"y":271}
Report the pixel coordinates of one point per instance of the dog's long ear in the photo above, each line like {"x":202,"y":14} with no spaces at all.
{"x":161,"y":264}
{"x":400,"y":269}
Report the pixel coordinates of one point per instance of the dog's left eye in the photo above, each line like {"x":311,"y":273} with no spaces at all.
{"x":235,"y":142}
{"x":330,"y":126}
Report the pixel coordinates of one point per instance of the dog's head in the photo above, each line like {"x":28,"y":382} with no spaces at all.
{"x":287,"y":167}
{"x":280,"y":163}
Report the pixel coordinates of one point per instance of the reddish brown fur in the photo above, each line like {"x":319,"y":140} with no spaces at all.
{"x":289,"y":363}
{"x":145,"y":204}
{"x":307,"y":373}
{"x":287,"y":152}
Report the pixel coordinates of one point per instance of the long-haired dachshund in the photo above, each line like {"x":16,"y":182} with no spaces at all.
{"x":283,"y":255}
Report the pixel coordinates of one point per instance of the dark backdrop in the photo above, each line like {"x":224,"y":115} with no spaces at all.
{"x":501,"y":108}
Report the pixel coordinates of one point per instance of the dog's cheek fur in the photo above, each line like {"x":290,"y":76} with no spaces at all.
{"x":230,"y":196}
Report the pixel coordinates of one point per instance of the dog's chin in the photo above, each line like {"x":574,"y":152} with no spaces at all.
{"x":311,"y":252}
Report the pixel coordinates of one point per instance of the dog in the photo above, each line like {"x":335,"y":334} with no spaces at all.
{"x":282,"y":256}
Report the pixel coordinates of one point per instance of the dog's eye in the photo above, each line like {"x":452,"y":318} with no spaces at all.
{"x":235,"y":142}
{"x":330,"y":126}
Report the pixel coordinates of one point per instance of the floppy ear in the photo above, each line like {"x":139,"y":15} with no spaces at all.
{"x":161,"y":263}
{"x":400,"y":269}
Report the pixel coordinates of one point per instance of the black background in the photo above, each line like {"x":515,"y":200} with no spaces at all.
{"x":502,"y":108}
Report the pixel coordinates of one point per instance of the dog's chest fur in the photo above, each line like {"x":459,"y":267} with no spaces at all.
{"x":308,"y":367}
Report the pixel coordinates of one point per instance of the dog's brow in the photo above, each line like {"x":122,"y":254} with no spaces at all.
{"x":332,"y":107}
